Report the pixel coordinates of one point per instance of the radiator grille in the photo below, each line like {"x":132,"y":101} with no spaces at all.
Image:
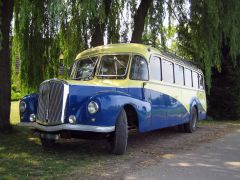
{"x":50,"y":102}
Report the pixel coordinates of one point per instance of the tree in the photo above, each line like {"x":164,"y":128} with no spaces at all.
{"x":211,"y":36}
{"x":139,"y":20}
{"x":6,"y":14}
{"x":36,"y":33}
{"x":99,"y":25}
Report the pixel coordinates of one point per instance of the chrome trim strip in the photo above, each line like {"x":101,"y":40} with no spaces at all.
{"x":65,"y":95}
{"x":75,"y":127}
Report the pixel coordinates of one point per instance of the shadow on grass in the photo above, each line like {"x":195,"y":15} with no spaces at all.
{"x":22,"y":156}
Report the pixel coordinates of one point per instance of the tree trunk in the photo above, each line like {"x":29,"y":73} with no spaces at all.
{"x":139,"y":20}
{"x":5,"y":65}
{"x":98,"y":31}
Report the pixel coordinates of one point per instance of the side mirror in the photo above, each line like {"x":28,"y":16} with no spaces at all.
{"x":61,"y":70}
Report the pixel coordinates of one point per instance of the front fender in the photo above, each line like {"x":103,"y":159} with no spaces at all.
{"x":111,"y":104}
{"x":31,"y":101}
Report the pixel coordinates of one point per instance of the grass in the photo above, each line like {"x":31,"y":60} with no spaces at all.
{"x":15,"y":112}
{"x":22,"y":157}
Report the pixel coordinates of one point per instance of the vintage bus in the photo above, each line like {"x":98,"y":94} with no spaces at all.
{"x":115,"y":88}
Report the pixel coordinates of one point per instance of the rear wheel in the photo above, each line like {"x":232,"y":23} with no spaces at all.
{"x":47,"y":143}
{"x":120,"y":136}
{"x":191,"y":126}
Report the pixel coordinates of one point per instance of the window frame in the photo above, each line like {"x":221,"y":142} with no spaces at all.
{"x":113,"y":76}
{"x":183,"y":67}
{"x":190,"y":76}
{"x":173,"y":64}
{"x":160,"y":59}
{"x":203,"y":85}
{"x":94,"y":73}
{"x":198,"y":85}
{"x":130,"y":68}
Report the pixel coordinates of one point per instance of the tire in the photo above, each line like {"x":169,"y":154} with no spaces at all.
{"x":191,"y":126}
{"x":47,"y":143}
{"x":120,"y":136}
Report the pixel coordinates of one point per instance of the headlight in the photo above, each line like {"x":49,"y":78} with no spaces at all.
{"x":72,"y":119}
{"x":93,"y":107}
{"x":22,"y":106}
{"x":32,"y":117}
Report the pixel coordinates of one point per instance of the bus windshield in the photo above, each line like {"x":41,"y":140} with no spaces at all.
{"x":113,"y":66}
{"x":84,"y":69}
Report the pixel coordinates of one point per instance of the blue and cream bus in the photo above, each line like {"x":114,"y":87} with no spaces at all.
{"x":115,"y":88}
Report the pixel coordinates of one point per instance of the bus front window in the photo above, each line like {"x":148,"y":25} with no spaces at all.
{"x":113,"y":66}
{"x":84,"y":69}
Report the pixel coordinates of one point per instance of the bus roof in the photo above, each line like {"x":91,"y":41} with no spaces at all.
{"x":144,"y":50}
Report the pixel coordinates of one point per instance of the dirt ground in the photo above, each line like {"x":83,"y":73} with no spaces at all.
{"x":146,"y":149}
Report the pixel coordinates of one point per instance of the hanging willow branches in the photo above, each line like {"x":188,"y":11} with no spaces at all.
{"x":46,"y":29}
{"x":36,"y":40}
{"x":211,"y":25}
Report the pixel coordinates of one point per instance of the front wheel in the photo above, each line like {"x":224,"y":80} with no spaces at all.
{"x":191,"y":126}
{"x":120,"y":136}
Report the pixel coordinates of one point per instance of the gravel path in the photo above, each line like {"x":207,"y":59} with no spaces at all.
{"x":152,"y":151}
{"x":218,"y":160}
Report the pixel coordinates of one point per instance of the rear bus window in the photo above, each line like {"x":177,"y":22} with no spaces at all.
{"x":201,"y":82}
{"x":195,"y":79}
{"x":188,"y":77}
{"x":139,"y":69}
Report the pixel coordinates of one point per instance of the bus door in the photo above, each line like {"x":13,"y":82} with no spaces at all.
{"x":153,"y":94}
{"x":172,"y":80}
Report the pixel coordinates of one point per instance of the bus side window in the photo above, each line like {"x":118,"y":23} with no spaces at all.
{"x":195,"y":79}
{"x":201,"y":83}
{"x":179,"y":75}
{"x":155,"y":68}
{"x":139,"y":69}
{"x":167,"y":71}
{"x":188,"y":77}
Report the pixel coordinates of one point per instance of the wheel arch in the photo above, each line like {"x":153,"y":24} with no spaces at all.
{"x":195,"y":106}
{"x":132,"y":116}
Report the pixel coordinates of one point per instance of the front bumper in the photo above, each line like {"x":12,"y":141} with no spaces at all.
{"x":71,"y":127}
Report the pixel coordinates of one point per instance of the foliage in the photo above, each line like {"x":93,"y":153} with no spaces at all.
{"x":0,"y":25}
{"x":224,"y":101}
{"x":36,"y":41}
{"x":209,"y":26}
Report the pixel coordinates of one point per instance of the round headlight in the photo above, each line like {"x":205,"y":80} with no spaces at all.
{"x":72,"y":119}
{"x":32,"y":117}
{"x":22,"y":106}
{"x":93,"y":107}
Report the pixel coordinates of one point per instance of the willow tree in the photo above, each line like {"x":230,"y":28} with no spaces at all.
{"x":211,"y":34}
{"x":6,"y":12}
{"x":36,"y":30}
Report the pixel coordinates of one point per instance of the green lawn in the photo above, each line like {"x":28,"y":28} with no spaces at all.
{"x":15,"y":112}
{"x":22,"y":157}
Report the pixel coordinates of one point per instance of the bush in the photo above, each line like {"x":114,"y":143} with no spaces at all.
{"x":15,"y":93}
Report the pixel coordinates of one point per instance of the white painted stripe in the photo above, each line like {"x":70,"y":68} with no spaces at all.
{"x":65,"y":95}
